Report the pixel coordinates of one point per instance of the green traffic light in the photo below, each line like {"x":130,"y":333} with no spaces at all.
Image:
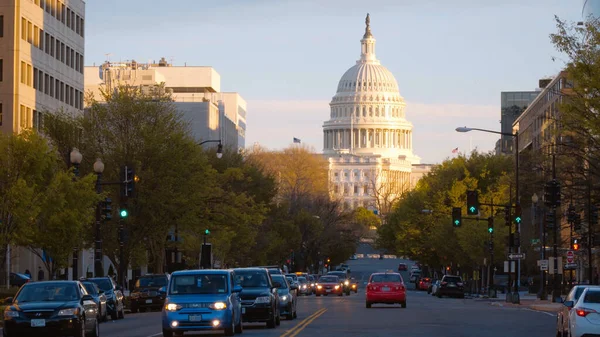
{"x":518,"y":219}
{"x":124,"y":213}
{"x":491,"y":230}
{"x":456,"y":222}
{"x":207,"y":232}
{"x":472,"y":209}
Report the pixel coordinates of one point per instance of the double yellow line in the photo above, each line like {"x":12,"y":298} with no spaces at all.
{"x":303,"y":324}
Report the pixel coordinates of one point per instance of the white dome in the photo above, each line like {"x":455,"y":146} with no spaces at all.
{"x":368,"y":77}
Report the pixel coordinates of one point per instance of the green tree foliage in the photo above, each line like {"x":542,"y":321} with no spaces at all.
{"x":420,"y":226}
{"x":42,"y":206}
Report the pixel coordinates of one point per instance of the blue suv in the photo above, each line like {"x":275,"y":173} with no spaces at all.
{"x":200,"y":300}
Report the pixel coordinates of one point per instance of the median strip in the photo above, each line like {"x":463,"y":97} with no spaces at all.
{"x":303,"y":324}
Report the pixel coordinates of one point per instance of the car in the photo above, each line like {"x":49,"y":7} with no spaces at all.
{"x":259,"y":297}
{"x":402,"y":267}
{"x":354,"y":284}
{"x":584,"y":313}
{"x":49,"y":308}
{"x":451,"y":285}
{"x":344,"y":278}
{"x":424,"y":283}
{"x":114,"y":296}
{"x":287,"y":297}
{"x":202,"y":300}
{"x":562,"y":316}
{"x":329,"y":284}
{"x":387,"y":288}
{"x":99,"y":298}
{"x":18,"y":279}
{"x":148,"y":292}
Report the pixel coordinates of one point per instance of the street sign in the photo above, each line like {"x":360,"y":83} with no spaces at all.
{"x":520,"y":256}
{"x":570,"y":257}
{"x":571,"y":266}
{"x":543,"y":264}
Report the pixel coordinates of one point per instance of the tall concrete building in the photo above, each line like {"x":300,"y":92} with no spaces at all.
{"x":367,"y":139}
{"x":41,"y":60}
{"x":512,"y":105}
{"x":196,"y":92}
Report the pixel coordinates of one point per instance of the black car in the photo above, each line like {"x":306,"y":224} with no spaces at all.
{"x":51,"y":308}
{"x":99,"y":298}
{"x":260,"y":300}
{"x":343,"y":276}
{"x":451,"y":286}
{"x":114,"y":296}
{"x":147,"y":293}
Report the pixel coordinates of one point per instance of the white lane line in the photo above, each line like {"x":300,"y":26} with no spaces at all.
{"x":541,"y":312}
{"x":156,"y":335}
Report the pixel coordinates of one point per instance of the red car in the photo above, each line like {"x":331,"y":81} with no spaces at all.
{"x":387,"y":288}
{"x":329,"y":284}
{"x":424,"y":283}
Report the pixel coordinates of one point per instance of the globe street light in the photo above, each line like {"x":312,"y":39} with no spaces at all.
{"x":219,"y":147}
{"x":515,"y":296}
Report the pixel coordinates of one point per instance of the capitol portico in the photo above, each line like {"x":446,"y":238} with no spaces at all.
{"x":368,"y":140}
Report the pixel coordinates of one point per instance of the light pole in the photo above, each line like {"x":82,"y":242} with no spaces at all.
{"x":515,"y":296}
{"x":534,"y":201}
{"x":75,"y":157}
{"x":98,"y":255}
{"x":219,"y":146}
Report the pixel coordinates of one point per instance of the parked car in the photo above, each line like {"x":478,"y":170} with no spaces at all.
{"x":114,"y":296}
{"x":51,"y":308}
{"x":18,"y":279}
{"x":147,"y":293}
{"x":99,"y":298}
{"x":202,"y":300}
{"x":451,"y":285}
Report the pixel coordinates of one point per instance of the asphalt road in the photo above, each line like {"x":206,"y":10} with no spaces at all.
{"x":425,"y":315}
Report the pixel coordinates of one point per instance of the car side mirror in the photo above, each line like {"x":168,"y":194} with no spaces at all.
{"x":237,"y":289}
{"x":293,"y":287}
{"x":87,"y":298}
{"x":276,"y":285}
{"x":8,"y":300}
{"x":162,"y":290}
{"x":101,"y":292}
{"x":569,"y":304}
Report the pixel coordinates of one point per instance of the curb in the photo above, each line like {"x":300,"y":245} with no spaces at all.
{"x":545,"y":307}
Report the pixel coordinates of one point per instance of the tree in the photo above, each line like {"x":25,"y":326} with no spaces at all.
{"x":41,"y":205}
{"x":387,"y":187}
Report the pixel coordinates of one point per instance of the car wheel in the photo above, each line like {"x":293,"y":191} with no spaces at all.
{"x":83,"y":327}
{"x":96,"y":331}
{"x":122,"y":312}
{"x":278,"y":319}
{"x":239,"y":328}
{"x":114,"y":315}
{"x":167,"y":333}
{"x":403,"y":304}
{"x":368,"y":305}
{"x":271,"y":322}
{"x":230,"y":330}
{"x":134,"y":309}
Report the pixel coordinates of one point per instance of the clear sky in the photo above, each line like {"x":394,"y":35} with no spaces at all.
{"x":451,"y":58}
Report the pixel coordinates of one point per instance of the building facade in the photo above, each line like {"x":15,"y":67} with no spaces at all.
{"x":41,"y":60}
{"x":211,"y":114}
{"x":368,"y":140}
{"x":512,"y":104}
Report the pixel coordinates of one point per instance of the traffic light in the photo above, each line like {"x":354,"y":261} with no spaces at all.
{"x":491,"y":245}
{"x":577,"y":223}
{"x":106,"y":210}
{"x":491,"y":225}
{"x":552,"y":193}
{"x":550,"y":219}
{"x":593,"y":215}
{"x":328,"y":260}
{"x":516,"y":239}
{"x":206,"y":232}
{"x":206,"y":256}
{"x":123,"y":235}
{"x":571,"y":214}
{"x":575,"y":244}
{"x":128,"y":180}
{"x":456,"y":216}
{"x":507,"y":216}
{"x":517,"y":215}
{"x":123,"y":212}
{"x":472,"y":203}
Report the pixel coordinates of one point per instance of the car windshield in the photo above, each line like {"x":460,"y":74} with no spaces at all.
{"x":90,"y":287}
{"x":329,"y":279}
{"x":453,"y":279}
{"x":252,"y":279}
{"x":151,"y":281}
{"x":293,"y":276}
{"x":340,"y":274}
{"x":302,"y":280}
{"x":386,"y":278}
{"x":51,"y":292}
{"x":104,"y":284}
{"x":198,"y":284}
{"x":281,"y":280}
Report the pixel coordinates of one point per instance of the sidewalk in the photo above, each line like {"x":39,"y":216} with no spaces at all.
{"x":526,"y":301}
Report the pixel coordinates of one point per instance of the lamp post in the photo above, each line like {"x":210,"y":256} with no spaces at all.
{"x":98,"y":255}
{"x":219,"y":146}
{"x":534,"y":201}
{"x":515,"y":295}
{"x":75,"y":158}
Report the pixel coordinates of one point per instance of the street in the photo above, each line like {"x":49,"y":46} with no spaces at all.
{"x":425,"y":315}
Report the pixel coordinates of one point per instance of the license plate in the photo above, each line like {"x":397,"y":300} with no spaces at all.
{"x":328,"y":290}
{"x":194,"y":318}
{"x":452,"y":285}
{"x":385,"y":289}
{"x":243,"y":310}
{"x":148,"y":301}
{"x":38,"y":323}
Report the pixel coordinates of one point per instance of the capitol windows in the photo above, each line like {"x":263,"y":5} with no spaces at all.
{"x":366,"y":189}
{"x":355,"y":189}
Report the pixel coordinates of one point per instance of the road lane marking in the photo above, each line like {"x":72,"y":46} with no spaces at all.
{"x":541,"y":312}
{"x":300,"y":326}
{"x":156,"y":335}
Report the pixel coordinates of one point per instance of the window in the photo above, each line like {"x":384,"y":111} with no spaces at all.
{"x":41,"y":45}
{"x":1,"y":25}
{"x":41,"y":81}
{"x":51,"y":86}
{"x":81,"y":28}
{"x":77,"y":24}
{"x":1,"y":70}
{"x":68,"y":18}
{"x":68,"y":55}
{"x":0,"y":114}
{"x":62,"y":91}
{"x":57,"y":89}
{"x":46,"y":84}
{"x":35,"y":78}
{"x":22,"y":116}
{"x":23,"y":72}
{"x":47,"y":44}
{"x":72,"y":63}
{"x":63,"y":11}
{"x":36,"y":36}
{"x":23,"y":29}
{"x":72,"y":20}
{"x":77,"y":61}
{"x":62,"y":51}
{"x":29,"y":75}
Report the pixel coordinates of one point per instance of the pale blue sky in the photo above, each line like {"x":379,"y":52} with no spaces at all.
{"x":451,"y":58}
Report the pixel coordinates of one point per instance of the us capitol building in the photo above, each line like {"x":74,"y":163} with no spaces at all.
{"x":368,"y":140}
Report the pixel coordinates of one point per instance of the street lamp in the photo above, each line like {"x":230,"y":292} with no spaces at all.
{"x":75,"y":157}
{"x":98,"y":256}
{"x":534,"y":201}
{"x":515,"y":296}
{"x":219,"y":147}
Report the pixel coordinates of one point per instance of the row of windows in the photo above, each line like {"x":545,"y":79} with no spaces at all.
{"x":346,"y":112}
{"x":51,"y":45}
{"x":26,"y":115}
{"x":346,"y":189}
{"x":57,"y":89}
{"x":62,"y":13}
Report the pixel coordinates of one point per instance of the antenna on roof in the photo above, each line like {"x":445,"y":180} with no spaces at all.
{"x":108,"y":56}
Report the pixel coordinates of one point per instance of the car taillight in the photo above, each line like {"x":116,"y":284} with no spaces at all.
{"x":444,"y":283}
{"x":459,"y":284}
{"x":582,"y":312}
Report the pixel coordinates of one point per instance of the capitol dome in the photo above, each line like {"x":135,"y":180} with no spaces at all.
{"x":367,"y":111}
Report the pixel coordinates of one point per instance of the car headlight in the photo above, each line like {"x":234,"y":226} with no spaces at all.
{"x":69,"y":312}
{"x":312,"y":284}
{"x":172,"y":307}
{"x":304,"y":286}
{"x":337,"y":287}
{"x":11,"y":314}
{"x":284,"y":298}
{"x":263,"y":299}
{"x":218,"y":306}
{"x":346,"y":282}
{"x":319,"y":286}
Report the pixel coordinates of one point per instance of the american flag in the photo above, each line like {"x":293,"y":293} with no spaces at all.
{"x":455,"y":150}
{"x":297,"y":140}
